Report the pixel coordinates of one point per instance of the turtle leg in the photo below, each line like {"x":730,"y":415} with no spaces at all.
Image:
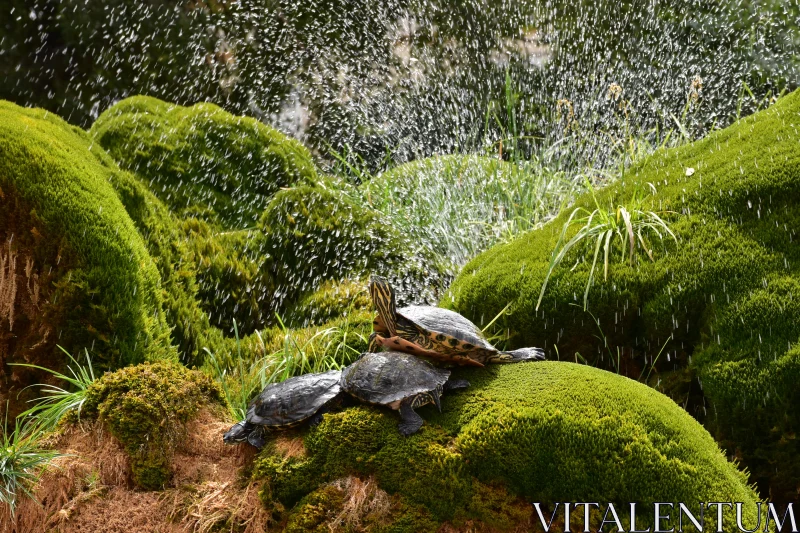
{"x":455,"y":384}
{"x":257,"y":438}
{"x":374,"y":344}
{"x":316,"y":419}
{"x":410,"y":420}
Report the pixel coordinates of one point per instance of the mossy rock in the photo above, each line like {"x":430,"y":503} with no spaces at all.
{"x":539,"y":432}
{"x":334,"y":299}
{"x":721,"y":307}
{"x":230,"y":284}
{"x":83,"y":273}
{"x":315,"y":233}
{"x":183,"y":276}
{"x":146,"y":407}
{"x":203,"y":161}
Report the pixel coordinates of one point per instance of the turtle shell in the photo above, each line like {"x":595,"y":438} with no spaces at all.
{"x":445,"y":325}
{"x":294,"y":400}
{"x":388,"y":377}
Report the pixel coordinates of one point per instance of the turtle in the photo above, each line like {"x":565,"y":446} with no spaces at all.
{"x":287,"y":404}
{"x":399,"y":381}
{"x":434,"y":332}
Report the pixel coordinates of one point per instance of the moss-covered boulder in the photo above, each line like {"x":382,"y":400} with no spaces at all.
{"x":75,"y":271}
{"x":314,"y":233}
{"x":231,"y":285}
{"x":720,"y":307}
{"x":146,"y":407}
{"x":333,"y":299}
{"x":203,"y":161}
{"x":545,"y":432}
{"x":173,"y":250}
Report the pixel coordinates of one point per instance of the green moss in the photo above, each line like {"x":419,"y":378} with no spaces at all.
{"x":724,"y":297}
{"x":334,"y":299}
{"x":200,"y":160}
{"x":58,"y":204}
{"x":325,"y":510}
{"x":538,"y":432}
{"x":316,"y":510}
{"x":146,"y":408}
{"x":230,"y":284}
{"x":172,"y":252}
{"x":317,"y":233}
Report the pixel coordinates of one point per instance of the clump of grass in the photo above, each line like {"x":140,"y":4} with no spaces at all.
{"x":56,"y":401}
{"x":300,"y":352}
{"x":629,"y":224}
{"x":22,"y":460}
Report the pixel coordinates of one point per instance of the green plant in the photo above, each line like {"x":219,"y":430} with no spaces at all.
{"x":628,"y":223}
{"x":22,"y":460}
{"x":56,"y":402}
{"x":299,"y":352}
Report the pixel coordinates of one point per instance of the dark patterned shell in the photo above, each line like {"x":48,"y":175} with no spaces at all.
{"x":444,"y":321}
{"x":386,"y":377}
{"x":292,"y":401}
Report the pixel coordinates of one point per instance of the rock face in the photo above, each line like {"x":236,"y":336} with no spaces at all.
{"x":74,"y":268}
{"x":722,"y":305}
{"x":203,"y":161}
{"x":551,"y":431}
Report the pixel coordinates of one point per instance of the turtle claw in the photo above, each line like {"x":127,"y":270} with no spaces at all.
{"x":455,"y":384}
{"x":518,"y":356}
{"x":437,"y":400}
{"x":411,"y":421}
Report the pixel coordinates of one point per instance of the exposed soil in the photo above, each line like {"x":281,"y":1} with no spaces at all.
{"x":90,"y":490}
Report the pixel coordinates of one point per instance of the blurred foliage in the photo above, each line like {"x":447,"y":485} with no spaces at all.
{"x":413,"y":77}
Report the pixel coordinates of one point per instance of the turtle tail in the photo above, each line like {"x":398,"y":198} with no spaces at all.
{"x":382,"y":295}
{"x":518,"y":356}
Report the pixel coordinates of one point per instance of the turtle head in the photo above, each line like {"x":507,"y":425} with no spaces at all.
{"x":238,"y":433}
{"x":383,"y":299}
{"x":518,"y":356}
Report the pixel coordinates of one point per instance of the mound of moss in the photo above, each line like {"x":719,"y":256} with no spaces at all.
{"x":543,"y":432}
{"x":314,"y":233}
{"x":334,"y":299}
{"x":84,"y":277}
{"x":720,"y":307}
{"x":172,"y":249}
{"x":146,"y":408}
{"x":200,"y":160}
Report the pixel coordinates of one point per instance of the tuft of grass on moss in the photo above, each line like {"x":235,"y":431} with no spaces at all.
{"x":146,"y":408}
